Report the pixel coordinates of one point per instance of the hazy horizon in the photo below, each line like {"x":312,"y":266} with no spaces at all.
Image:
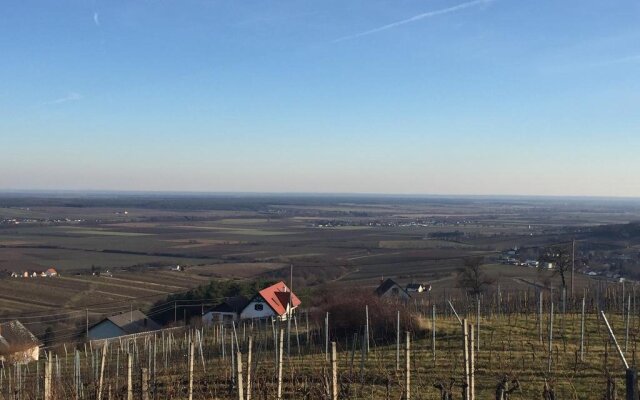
{"x":439,"y":97}
{"x":170,"y":193}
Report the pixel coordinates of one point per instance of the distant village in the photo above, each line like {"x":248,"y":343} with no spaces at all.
{"x":606,"y":265}
{"x":49,"y":273}
{"x":394,"y":222}
{"x":41,"y":221}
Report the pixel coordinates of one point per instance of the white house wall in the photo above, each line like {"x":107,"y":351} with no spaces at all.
{"x":215,"y":317}
{"x":250,"y":312}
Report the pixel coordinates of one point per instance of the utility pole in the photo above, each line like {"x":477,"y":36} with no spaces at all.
{"x":290,"y":304}
{"x":291,"y":278}
{"x":289,"y":310}
{"x":573,"y":263}
{"x":175,"y":312}
{"x":87,"y":323}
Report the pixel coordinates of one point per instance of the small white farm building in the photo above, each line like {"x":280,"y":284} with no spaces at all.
{"x":390,"y":289}
{"x":228,"y":310}
{"x":275,"y":301}
{"x":418,"y":287}
{"x":127,"y":323}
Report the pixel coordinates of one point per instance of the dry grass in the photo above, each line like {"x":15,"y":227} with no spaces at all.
{"x":509,"y":346}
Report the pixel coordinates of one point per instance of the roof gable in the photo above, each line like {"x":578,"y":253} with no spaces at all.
{"x":387,"y":285}
{"x":132,"y":322}
{"x":231,"y":304}
{"x":278,"y":296}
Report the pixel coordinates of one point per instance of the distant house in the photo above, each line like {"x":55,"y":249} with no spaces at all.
{"x":51,"y":272}
{"x":390,"y":289}
{"x":418,"y":288}
{"x":275,"y":301}
{"x":532,"y":263}
{"x":127,"y":323}
{"x":17,"y":343}
{"x":512,"y":252}
{"x":228,"y":310}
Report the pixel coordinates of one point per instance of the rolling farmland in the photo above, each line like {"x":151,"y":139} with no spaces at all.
{"x":110,"y":261}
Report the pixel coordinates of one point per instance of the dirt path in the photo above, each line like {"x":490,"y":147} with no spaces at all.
{"x":115,"y":285}
{"x":147,"y":283}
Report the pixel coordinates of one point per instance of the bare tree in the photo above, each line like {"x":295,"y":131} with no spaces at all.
{"x":560,"y":257}
{"x":472,"y":277}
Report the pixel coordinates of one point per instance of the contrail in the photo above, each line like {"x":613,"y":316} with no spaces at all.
{"x":71,"y":96}
{"x":96,"y":19}
{"x":418,"y":17}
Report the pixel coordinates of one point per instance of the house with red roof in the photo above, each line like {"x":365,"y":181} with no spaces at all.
{"x":275,"y":301}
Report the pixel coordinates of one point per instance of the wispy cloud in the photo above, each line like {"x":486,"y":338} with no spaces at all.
{"x":71,"y":96}
{"x":96,"y":19}
{"x":418,"y":17}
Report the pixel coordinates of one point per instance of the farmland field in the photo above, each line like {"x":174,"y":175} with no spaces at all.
{"x":118,"y":252}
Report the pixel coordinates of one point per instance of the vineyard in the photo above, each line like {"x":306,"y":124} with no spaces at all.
{"x":518,"y":344}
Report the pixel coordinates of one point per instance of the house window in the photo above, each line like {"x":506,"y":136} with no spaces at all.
{"x":395,"y":290}
{"x":258,"y":307}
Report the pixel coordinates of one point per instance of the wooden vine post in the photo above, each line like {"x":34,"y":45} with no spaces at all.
{"x":280,"y":354}
{"x":129,"y":376}
{"x":472,"y":365}
{"x":326,"y":336}
{"x":48,"y":372}
{"x":249,"y":353}
{"x":191,"y":357}
{"x":334,"y":372}
{"x":433,"y":332}
{"x":239,"y":373}
{"x":407,"y":359}
{"x":467,"y":375}
{"x":550,"y":336}
{"x":582,"y":331}
{"x":144,"y":383}
{"x":631,"y":374}
{"x":398,"y":341}
{"x":104,"y":358}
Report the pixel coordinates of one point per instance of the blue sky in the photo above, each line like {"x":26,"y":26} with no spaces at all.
{"x":370,"y":96}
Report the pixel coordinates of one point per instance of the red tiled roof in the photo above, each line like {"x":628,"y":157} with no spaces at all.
{"x":277,"y":296}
